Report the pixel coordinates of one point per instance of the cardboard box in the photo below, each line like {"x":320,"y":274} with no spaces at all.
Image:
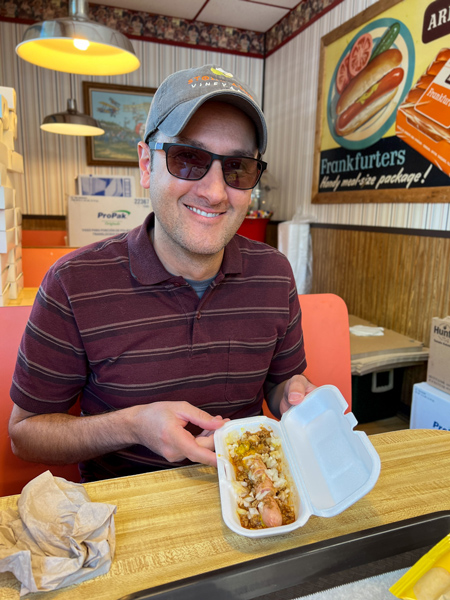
{"x":4,"y":112}
{"x":4,"y":262}
{"x":7,"y":240}
{"x":15,"y":287}
{"x":438,"y":373}
{"x":16,"y":162}
{"x":5,"y":179}
{"x":7,"y":219}
{"x":4,"y":295}
{"x":18,"y":236}
{"x":10,"y":96}
{"x":94,"y":218}
{"x":17,"y":216}
{"x":5,"y":155}
{"x":6,"y":197}
{"x":4,"y":277}
{"x":106,"y":185}
{"x":15,"y":271}
{"x":14,"y":254}
{"x":430,"y":408}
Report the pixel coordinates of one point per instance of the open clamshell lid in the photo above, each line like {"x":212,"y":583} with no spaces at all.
{"x":336,"y":465}
{"x":332,"y":465}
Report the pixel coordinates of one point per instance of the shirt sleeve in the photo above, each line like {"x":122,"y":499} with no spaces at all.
{"x":289,"y":357}
{"x":52,"y":366}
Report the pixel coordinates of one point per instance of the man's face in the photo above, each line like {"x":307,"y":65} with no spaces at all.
{"x":201,"y":217}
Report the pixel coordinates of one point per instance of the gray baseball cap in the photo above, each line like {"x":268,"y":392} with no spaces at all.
{"x":182,"y":93}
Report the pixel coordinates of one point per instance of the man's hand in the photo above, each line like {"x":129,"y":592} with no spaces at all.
{"x":295,"y":390}
{"x":289,"y":393}
{"x":161,"y":427}
{"x":58,"y":438}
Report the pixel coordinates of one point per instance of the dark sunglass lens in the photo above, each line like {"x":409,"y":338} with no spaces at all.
{"x":187,"y":163}
{"x":241,"y":173}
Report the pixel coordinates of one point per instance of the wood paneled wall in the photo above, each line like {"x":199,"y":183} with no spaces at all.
{"x":399,"y":279}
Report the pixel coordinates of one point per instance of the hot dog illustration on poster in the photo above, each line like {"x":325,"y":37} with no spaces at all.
{"x":385,"y":105}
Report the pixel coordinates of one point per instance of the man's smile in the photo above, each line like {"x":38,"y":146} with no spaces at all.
{"x":203,"y":213}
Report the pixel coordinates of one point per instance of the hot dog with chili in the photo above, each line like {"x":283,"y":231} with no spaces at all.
{"x":372,"y":89}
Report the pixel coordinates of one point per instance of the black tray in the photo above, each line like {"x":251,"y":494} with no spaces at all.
{"x":312,"y":568}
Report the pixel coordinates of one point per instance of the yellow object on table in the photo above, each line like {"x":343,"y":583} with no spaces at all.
{"x":169,"y":524}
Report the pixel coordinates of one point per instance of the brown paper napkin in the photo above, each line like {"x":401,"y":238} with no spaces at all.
{"x":57,"y":536}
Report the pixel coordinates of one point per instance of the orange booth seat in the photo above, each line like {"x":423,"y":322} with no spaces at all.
{"x":326,"y":335}
{"x":14,"y":472}
{"x":41,"y":237}
{"x":37,"y":261}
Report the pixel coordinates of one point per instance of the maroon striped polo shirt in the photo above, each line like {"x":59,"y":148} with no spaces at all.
{"x":111,"y":326}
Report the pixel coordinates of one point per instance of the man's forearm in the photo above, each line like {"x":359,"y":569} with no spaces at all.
{"x":66,"y":439}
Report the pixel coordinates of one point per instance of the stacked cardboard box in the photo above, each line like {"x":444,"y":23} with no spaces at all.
{"x":11,"y":163}
{"x":431,"y":400}
{"x":106,"y":205}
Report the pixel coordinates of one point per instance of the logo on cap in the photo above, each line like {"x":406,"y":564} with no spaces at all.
{"x":220,"y":71}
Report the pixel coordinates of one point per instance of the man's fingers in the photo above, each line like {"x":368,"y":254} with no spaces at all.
{"x":205,"y":442}
{"x":199,"y":417}
{"x":193,"y":449}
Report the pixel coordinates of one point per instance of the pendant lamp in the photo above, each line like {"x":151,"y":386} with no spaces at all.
{"x":72,"y":122}
{"x":77,"y":45}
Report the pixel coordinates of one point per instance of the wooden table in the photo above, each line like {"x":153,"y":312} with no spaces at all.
{"x":169,"y":525}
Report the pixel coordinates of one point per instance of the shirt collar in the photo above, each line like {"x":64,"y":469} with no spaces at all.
{"x":146,"y":267}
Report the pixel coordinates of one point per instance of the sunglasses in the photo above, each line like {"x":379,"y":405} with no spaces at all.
{"x":191,"y":163}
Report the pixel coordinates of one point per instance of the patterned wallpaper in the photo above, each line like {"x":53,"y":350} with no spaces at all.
{"x":144,"y":26}
{"x":172,"y":30}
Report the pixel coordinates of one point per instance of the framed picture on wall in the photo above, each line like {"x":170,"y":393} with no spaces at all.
{"x":382,"y":127}
{"x":122,"y":111}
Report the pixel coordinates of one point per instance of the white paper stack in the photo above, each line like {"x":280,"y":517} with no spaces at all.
{"x":10,"y":215}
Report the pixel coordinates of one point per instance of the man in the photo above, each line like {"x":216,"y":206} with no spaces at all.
{"x":167,"y":331}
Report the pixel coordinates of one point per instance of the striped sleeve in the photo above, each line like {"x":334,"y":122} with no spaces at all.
{"x":51,"y":367}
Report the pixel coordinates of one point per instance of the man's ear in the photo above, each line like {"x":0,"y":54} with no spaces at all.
{"x":144,"y":164}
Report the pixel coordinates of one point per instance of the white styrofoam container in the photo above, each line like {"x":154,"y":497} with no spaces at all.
{"x":430,"y":408}
{"x":331,"y":465}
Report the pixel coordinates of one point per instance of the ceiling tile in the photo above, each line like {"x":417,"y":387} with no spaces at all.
{"x":241,"y":14}
{"x":185,"y":9}
{"x":281,"y":3}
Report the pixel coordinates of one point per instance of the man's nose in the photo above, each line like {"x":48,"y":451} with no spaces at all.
{"x":213,"y":185}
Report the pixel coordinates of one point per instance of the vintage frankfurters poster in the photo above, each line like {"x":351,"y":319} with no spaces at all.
{"x":383,"y":122}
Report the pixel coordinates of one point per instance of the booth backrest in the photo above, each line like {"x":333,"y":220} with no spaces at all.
{"x":37,"y":261}
{"x":326,"y":337}
{"x":14,"y":472}
{"x":327,"y":341}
